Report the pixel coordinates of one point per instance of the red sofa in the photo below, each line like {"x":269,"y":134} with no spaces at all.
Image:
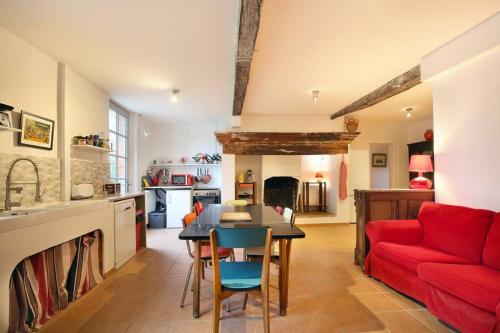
{"x":448,"y":258}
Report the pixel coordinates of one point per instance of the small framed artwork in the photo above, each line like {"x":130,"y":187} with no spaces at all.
{"x":6,"y":118}
{"x":379,"y":160}
{"x":36,"y":131}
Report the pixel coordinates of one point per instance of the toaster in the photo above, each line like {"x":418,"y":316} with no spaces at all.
{"x":82,"y":191}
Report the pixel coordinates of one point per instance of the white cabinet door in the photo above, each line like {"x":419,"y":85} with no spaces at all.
{"x":124,"y":231}
{"x":179,"y":203}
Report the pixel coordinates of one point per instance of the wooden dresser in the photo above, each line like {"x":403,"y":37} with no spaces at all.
{"x":374,"y":205}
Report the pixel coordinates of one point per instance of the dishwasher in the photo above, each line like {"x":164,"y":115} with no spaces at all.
{"x":124,"y":231}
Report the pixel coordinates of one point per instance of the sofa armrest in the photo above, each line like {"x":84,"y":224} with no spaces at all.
{"x":408,"y":232}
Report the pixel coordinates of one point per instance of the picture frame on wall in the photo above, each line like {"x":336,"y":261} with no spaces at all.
{"x":6,"y":118}
{"x":6,"y":115}
{"x":36,"y":131}
{"x":379,"y":160}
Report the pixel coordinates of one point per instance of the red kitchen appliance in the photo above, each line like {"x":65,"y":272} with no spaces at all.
{"x":181,"y":180}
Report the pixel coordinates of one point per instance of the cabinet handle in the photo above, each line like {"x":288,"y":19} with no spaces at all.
{"x":127,"y":208}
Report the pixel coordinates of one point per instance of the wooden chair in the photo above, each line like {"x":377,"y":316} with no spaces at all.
{"x":234,"y":277}
{"x":198,"y":208}
{"x":206,"y":254}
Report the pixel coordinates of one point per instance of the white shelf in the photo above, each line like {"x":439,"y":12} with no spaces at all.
{"x":89,"y":147}
{"x":186,"y":165}
{"x":2,"y":127}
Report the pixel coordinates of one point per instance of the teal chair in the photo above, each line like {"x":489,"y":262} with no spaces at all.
{"x":233,"y":277}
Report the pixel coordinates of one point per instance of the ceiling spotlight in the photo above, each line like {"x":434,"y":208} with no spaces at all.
{"x":315,"y":94}
{"x":408,"y":112}
{"x":175,"y":96}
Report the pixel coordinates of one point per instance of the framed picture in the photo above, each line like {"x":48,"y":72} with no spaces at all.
{"x":36,"y":131}
{"x":6,"y":118}
{"x":379,"y":160}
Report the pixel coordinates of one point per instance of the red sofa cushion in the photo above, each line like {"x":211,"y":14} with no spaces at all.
{"x":491,"y":251}
{"x":476,"y":284}
{"x":459,"y":231}
{"x":409,"y":256}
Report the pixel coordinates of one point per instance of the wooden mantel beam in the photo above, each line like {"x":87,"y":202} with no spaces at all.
{"x":247,"y":35}
{"x":395,"y":86}
{"x":288,"y":143}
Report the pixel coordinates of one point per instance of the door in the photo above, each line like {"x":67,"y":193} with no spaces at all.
{"x":124,"y":231}
{"x":179,"y":203}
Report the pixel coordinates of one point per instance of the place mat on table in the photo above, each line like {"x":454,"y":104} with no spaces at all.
{"x":235,"y":216}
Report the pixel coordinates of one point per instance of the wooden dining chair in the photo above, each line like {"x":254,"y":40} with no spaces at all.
{"x":206,"y":254}
{"x":234,"y":277}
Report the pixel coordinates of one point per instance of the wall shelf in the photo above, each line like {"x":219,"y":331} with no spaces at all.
{"x":91,"y":148}
{"x":7,"y":128}
{"x":185,"y":165}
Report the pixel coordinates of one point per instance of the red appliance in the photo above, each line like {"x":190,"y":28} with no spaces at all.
{"x":181,"y":180}
{"x":420,"y":164}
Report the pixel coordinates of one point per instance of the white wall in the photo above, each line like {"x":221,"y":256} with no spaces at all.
{"x":28,"y":81}
{"x":416,"y":130}
{"x":467,"y":117}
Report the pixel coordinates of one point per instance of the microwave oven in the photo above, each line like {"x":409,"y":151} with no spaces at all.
{"x":181,"y":180}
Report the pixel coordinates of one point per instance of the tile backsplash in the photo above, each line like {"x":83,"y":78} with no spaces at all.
{"x":93,"y":172}
{"x":49,"y":171}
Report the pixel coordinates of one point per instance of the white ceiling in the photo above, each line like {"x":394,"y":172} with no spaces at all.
{"x":347,"y":49}
{"x":137,"y":51}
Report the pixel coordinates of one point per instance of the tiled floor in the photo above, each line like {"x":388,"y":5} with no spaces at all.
{"x":327,"y":294}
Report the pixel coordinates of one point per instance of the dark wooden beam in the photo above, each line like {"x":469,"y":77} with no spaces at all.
{"x":395,"y":86}
{"x":289,"y":143}
{"x":247,"y":35}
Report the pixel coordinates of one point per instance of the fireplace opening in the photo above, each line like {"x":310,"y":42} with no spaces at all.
{"x":281,"y":191}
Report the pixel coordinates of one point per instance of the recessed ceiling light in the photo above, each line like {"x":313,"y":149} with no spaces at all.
{"x":315,"y":94}
{"x":408,"y":112}
{"x":175,"y":96}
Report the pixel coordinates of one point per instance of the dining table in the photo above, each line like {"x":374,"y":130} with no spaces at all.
{"x":282,"y":231}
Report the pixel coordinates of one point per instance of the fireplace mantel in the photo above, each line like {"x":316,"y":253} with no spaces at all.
{"x":285,"y":143}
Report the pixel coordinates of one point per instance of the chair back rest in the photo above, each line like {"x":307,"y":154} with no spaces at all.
{"x":239,"y":202}
{"x":288,"y":214}
{"x":198,"y":208}
{"x":188,"y":219}
{"x":241,"y":237}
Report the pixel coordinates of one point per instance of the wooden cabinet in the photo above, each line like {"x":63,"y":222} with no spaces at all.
{"x":422,"y":148}
{"x":246,"y":191}
{"x":374,"y":205}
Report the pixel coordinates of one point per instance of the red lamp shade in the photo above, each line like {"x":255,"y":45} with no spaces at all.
{"x":319,"y":176}
{"x":420,"y":164}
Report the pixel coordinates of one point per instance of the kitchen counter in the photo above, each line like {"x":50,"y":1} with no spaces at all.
{"x":115,"y":197}
{"x":169,"y":187}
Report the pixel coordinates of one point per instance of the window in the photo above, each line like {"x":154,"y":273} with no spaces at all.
{"x":118,"y":140}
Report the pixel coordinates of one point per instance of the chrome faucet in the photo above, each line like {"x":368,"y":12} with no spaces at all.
{"x":9,"y":188}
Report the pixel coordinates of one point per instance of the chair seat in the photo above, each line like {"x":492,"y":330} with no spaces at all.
{"x":409,"y":256}
{"x":240,"y":275}
{"x":206,"y":252}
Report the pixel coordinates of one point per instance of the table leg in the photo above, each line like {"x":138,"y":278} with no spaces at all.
{"x":284,"y":269}
{"x":196,"y":279}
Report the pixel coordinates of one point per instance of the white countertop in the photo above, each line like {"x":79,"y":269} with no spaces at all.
{"x":169,"y":187}
{"x":50,"y":211}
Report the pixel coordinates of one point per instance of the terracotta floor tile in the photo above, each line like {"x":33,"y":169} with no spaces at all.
{"x":190,"y":326}
{"x":93,"y":327}
{"x":427,"y":318}
{"x":149,"y":327}
{"x":403,"y":322}
{"x":355,"y":323}
{"x":378,"y":302}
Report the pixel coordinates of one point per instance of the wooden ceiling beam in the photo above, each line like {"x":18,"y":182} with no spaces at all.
{"x":395,"y":86}
{"x":247,"y":35}
{"x":288,"y":143}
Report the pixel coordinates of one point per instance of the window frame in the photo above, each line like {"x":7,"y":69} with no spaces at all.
{"x":114,"y":153}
